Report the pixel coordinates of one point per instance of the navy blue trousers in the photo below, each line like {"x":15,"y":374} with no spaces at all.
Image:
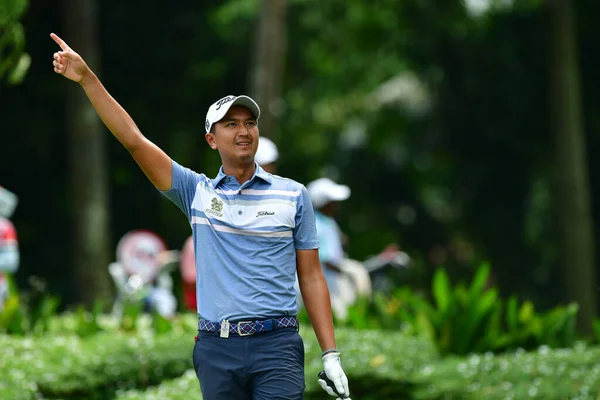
{"x":264,"y":366}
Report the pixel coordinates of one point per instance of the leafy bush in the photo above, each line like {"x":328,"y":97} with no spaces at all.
{"x":542,"y":374}
{"x":95,"y":367}
{"x":71,"y":367}
{"x":465,"y":319}
{"x":29,"y":311}
{"x":386,"y":365}
{"x":33,"y":312}
{"x":390,"y":357}
{"x":380,"y":365}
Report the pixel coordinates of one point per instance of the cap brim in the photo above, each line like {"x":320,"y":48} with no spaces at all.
{"x":339,"y":193}
{"x":247,"y":102}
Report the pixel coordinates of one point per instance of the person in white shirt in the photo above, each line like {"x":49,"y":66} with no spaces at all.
{"x":347,"y":279}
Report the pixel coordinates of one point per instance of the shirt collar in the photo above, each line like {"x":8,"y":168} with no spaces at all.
{"x":258,"y":173}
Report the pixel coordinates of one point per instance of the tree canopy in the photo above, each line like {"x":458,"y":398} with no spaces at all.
{"x":435,"y":115}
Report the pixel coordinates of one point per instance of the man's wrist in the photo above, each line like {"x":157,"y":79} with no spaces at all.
{"x":88,"y":78}
{"x":330,"y":351}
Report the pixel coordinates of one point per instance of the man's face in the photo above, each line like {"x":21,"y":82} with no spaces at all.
{"x":235,"y":136}
{"x":330,"y":208}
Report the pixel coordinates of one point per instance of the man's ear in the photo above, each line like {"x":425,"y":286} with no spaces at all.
{"x":210,"y":139}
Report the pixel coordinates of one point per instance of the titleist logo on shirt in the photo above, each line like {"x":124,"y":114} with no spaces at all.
{"x":264,"y":213}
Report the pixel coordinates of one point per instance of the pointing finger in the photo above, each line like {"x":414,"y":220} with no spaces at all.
{"x":59,"y":41}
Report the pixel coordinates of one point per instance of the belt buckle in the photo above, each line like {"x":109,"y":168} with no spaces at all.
{"x":239,"y":331}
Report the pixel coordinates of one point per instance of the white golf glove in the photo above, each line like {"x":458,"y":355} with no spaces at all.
{"x":334,"y":371}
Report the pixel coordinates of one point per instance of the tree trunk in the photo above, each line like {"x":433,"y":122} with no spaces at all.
{"x":572,"y":193}
{"x":88,"y":167}
{"x":269,"y":57}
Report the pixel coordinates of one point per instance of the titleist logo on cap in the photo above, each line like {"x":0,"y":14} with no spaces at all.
{"x":224,"y":100}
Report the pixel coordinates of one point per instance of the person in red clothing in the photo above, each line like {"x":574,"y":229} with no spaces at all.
{"x":188,"y":275}
{"x":9,"y":248}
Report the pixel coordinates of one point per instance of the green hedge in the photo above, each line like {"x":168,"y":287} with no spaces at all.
{"x":380,"y":365}
{"x":543,"y":374}
{"x":69,"y":367}
{"x":391,"y":356}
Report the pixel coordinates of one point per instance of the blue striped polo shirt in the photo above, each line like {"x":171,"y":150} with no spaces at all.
{"x":245,"y":241}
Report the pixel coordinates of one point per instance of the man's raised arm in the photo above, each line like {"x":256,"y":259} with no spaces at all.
{"x":155,"y":163}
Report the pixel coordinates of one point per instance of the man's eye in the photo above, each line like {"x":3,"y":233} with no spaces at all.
{"x":251,"y":123}
{"x":231,"y":124}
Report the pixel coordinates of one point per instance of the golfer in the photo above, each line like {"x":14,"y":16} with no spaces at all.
{"x":252,"y":231}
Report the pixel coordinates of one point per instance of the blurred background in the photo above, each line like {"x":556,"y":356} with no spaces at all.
{"x":465,"y":130}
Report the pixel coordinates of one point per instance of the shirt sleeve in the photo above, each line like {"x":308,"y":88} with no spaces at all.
{"x":183,"y":187}
{"x":305,"y":232}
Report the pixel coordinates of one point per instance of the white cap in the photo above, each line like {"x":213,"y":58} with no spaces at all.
{"x":267,"y":151}
{"x":217,"y":111}
{"x":324,"y":190}
{"x":8,"y":202}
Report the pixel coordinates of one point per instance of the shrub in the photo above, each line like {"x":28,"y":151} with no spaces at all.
{"x":28,"y":312}
{"x":464,"y":319}
{"x":380,"y":365}
{"x":388,"y":356}
{"x":405,"y":369}
{"x":542,"y":374}
{"x":72,"y":367}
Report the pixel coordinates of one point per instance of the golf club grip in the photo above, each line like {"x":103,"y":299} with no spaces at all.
{"x":323,"y":375}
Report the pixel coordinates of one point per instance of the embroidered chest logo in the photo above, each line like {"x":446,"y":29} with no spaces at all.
{"x":264,"y":213}
{"x":216,"y":207}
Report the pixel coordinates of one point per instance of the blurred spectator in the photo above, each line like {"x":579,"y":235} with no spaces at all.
{"x":347,"y":279}
{"x":9,"y":248}
{"x":267,"y":155}
{"x":8,"y":202}
{"x":142,"y":273}
{"x":187,"y":266}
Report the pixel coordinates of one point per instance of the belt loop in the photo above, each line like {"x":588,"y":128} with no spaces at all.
{"x":269,"y":324}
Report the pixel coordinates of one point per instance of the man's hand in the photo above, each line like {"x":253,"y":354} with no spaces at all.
{"x":333,"y":370}
{"x":68,"y":63}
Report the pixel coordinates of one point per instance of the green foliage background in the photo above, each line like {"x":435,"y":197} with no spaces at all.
{"x":456,"y":172}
